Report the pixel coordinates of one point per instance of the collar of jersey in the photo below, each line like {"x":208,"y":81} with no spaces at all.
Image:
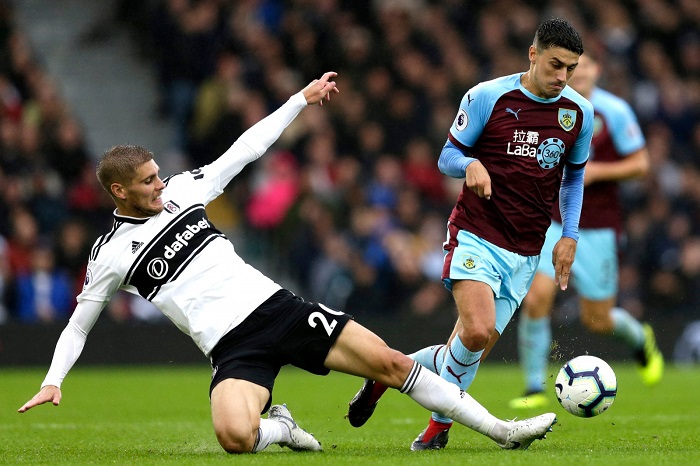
{"x":540,"y":99}
{"x":126,"y":219}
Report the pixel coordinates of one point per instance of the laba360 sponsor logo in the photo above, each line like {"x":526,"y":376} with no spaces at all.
{"x":158,"y":267}
{"x":527,"y":144}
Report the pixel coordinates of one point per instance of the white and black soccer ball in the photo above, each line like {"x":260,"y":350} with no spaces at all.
{"x":586,"y":386}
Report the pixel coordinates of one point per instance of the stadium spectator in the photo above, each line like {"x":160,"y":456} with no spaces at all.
{"x":248,"y":325}
{"x":187,"y":35}
{"x":4,"y":278}
{"x":44,"y":293}
{"x":71,"y":247}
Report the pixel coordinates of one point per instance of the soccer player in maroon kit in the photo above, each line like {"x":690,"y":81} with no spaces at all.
{"x":618,"y":152}
{"x":520,"y":142}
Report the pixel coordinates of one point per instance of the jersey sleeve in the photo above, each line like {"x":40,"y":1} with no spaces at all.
{"x":474,"y":112}
{"x":579,"y":153}
{"x":101,"y":282}
{"x":72,"y":341}
{"x":251,"y":145}
{"x":624,"y":129}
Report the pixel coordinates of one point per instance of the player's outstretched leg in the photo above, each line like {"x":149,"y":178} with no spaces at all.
{"x":651,"y":361}
{"x":521,"y":434}
{"x":363,"y":404}
{"x":299,"y":439}
{"x":438,"y":395}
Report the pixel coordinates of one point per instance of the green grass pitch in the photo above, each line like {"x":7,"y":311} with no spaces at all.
{"x":160,"y":415}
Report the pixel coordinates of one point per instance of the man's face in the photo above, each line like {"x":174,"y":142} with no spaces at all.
{"x":141,"y":198}
{"x":586,"y":76}
{"x":551,"y":69}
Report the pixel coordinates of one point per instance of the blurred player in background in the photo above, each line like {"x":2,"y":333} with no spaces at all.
{"x":618,"y":152}
{"x":518,"y":141}
{"x":163,"y":247}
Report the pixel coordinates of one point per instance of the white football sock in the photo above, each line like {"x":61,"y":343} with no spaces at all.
{"x":269,"y":432}
{"x":436,"y":394}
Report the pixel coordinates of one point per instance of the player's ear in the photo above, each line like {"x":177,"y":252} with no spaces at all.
{"x":118,"y":191}
{"x":532,"y":54}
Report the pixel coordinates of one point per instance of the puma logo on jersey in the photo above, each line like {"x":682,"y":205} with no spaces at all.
{"x":135,"y":246}
{"x":514,"y":112}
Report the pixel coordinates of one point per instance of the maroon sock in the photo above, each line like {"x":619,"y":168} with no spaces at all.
{"x":377,"y":392}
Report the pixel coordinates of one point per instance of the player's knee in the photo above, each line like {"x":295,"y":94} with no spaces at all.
{"x":394,"y":368}
{"x":236,"y":441}
{"x":475,"y":338}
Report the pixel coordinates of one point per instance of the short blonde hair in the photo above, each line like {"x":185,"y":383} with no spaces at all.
{"x":119,"y":165}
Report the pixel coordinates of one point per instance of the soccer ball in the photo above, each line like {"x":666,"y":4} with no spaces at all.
{"x":586,"y":386}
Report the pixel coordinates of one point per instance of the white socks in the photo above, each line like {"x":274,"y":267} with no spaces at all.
{"x":436,"y":394}
{"x":269,"y":432}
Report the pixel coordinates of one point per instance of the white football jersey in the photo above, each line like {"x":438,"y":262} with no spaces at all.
{"x":180,"y":262}
{"x":177,"y":259}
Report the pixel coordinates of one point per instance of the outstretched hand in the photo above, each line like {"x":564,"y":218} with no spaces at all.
{"x":48,"y":393}
{"x":319,"y":90}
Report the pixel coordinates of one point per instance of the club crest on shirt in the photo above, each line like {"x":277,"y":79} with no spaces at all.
{"x":171,"y":207}
{"x":462,"y":120}
{"x":567,"y":118}
{"x":469,"y":262}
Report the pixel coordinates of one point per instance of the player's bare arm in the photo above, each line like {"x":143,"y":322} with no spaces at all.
{"x":562,"y":258}
{"x":319,"y":90}
{"x":47,"y":393}
{"x":635,"y":165}
{"x":478,"y":179}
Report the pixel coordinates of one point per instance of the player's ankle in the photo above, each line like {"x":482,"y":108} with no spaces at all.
{"x":434,"y":428}
{"x":377,"y":392}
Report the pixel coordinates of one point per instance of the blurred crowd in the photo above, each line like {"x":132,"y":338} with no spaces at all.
{"x":349,"y":205}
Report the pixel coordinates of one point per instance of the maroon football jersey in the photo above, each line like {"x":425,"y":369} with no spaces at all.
{"x":524,"y":144}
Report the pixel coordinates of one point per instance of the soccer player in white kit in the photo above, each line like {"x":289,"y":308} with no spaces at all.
{"x":163,"y":247}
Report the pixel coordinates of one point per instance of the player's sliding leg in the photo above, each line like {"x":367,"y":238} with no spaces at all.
{"x":438,"y":395}
{"x":363,"y":404}
{"x":236,"y":406}
{"x":292,"y":435}
{"x":360,"y":352}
